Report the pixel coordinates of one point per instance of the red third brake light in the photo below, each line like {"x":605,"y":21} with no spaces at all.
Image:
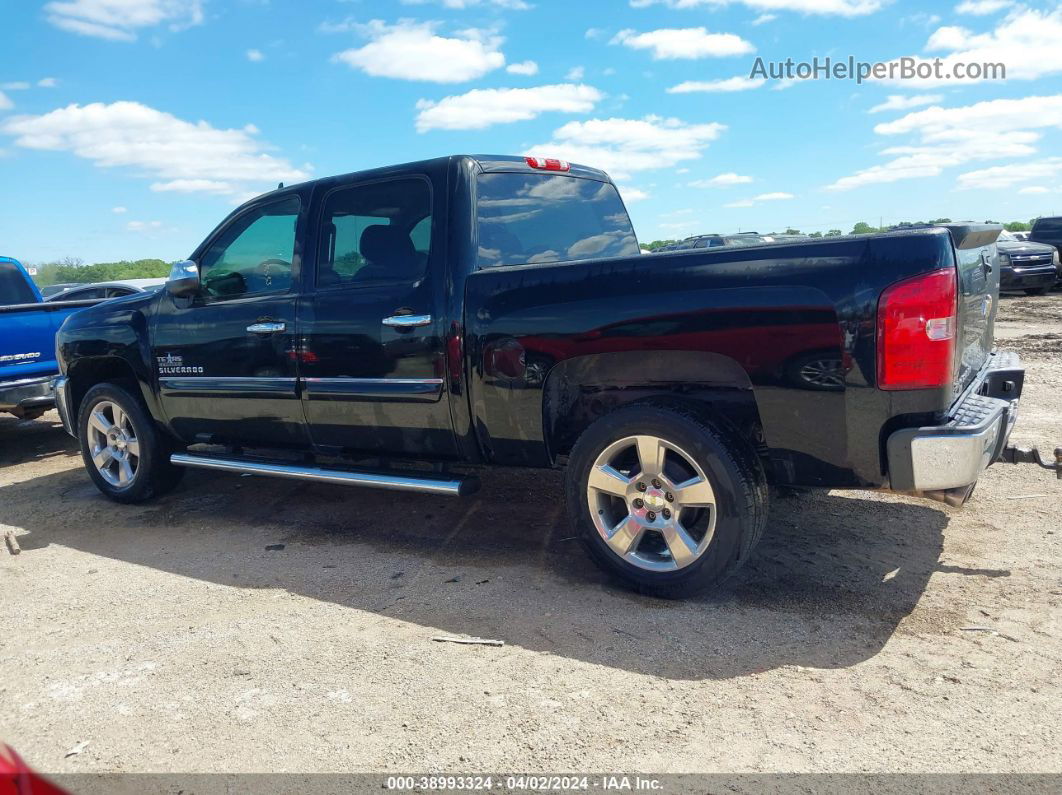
{"x":548,"y":163}
{"x":916,"y":332}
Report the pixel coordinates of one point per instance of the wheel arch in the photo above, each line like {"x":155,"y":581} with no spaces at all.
{"x":87,"y":372}
{"x":580,"y":390}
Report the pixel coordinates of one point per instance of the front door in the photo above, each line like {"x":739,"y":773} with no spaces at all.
{"x":224,"y":359}
{"x":371,"y":351}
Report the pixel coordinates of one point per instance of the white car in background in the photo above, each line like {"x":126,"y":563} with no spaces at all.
{"x":114,"y":289}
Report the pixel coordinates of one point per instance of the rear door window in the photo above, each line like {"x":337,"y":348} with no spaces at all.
{"x":534,"y":218}
{"x":13,"y":287}
{"x":378,"y":232}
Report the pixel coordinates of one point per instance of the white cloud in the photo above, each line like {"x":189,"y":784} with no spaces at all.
{"x":724,"y":180}
{"x":143,"y":226}
{"x":119,"y":210}
{"x":413,"y":51}
{"x":1012,"y":174}
{"x":482,"y":108}
{"x":522,"y":68}
{"x":1026,"y":41}
{"x":195,"y":186}
{"x":119,"y":20}
{"x":950,"y":137}
{"x":155,"y":144}
{"x":1034,"y":189}
{"x":631,"y":195}
{"x":949,"y":37}
{"x":843,"y":8}
{"x":921,"y":19}
{"x":23,"y":85}
{"x":901,"y":102}
{"x":982,"y":7}
{"x":576,"y":73}
{"x":671,"y":43}
{"x":594,"y":33}
{"x":728,"y":84}
{"x":763,"y":197}
{"x":254,"y":56}
{"x":5,"y":102}
{"x":623,"y":146}
{"x":515,"y":5}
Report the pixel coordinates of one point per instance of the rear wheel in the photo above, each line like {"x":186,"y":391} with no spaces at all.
{"x":666,"y":501}
{"x":124,"y":453}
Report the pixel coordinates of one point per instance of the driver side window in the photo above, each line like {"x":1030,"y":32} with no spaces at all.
{"x":254,"y":253}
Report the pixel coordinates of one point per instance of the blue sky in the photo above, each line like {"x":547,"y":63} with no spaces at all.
{"x":129,"y":128}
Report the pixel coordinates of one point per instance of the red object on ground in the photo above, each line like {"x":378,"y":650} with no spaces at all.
{"x":16,"y":778}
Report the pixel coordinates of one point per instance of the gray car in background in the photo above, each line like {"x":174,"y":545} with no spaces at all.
{"x":114,"y":289}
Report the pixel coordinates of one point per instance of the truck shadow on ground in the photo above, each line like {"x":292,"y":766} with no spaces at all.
{"x":829,"y":585}
{"x":28,"y":440}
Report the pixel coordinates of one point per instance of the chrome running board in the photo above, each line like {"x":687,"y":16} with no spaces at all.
{"x":450,"y":487}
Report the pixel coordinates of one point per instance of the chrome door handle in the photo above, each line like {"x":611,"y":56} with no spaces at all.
{"x":270,"y":327}
{"x":407,"y":321}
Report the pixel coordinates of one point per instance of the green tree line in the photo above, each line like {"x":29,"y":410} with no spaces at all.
{"x":863,"y":228}
{"x":75,"y":271}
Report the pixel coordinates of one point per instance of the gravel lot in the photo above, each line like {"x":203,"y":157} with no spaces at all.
{"x":170,"y":638}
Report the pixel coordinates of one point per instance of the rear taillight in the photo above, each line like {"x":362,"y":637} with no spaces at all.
{"x":916,"y":332}
{"x":548,"y":163}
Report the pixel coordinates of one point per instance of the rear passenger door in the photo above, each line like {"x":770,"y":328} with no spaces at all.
{"x":370,"y":350}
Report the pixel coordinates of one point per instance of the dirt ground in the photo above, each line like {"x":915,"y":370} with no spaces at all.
{"x":869,"y":632}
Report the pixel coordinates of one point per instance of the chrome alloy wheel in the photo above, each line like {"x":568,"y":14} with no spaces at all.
{"x":112,"y":440}
{"x":824,"y":372}
{"x":651,"y":503}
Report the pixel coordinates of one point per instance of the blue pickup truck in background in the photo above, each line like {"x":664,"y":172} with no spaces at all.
{"x":27,"y":341}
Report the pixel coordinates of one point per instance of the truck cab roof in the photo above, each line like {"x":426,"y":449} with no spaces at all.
{"x":483,"y":162}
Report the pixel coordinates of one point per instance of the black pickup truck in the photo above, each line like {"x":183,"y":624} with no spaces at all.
{"x":401,"y":327}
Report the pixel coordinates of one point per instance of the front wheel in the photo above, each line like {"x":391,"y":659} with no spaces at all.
{"x":124,"y":453}
{"x":668,"y":502}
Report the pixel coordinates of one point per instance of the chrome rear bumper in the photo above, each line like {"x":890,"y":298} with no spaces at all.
{"x":954,"y":454}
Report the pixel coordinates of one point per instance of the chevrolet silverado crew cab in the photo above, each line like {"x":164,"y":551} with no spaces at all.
{"x":470,"y":312}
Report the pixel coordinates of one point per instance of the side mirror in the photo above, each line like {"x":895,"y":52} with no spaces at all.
{"x":184,"y":279}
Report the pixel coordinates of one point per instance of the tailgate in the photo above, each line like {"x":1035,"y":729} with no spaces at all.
{"x":978,"y":273}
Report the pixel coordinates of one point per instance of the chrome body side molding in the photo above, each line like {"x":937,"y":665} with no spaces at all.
{"x":451,"y":487}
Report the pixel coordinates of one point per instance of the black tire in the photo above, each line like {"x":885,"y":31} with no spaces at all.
{"x":154,"y":474}
{"x":1036,"y":290}
{"x":730,"y":464}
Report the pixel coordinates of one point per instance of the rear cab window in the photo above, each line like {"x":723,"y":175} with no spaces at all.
{"x":13,"y":287}
{"x":1048,"y":226}
{"x":537,"y":218}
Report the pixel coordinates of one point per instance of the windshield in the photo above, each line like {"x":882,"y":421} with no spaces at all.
{"x":533,"y":218}
{"x":13,"y":287}
{"x":1005,"y":235}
